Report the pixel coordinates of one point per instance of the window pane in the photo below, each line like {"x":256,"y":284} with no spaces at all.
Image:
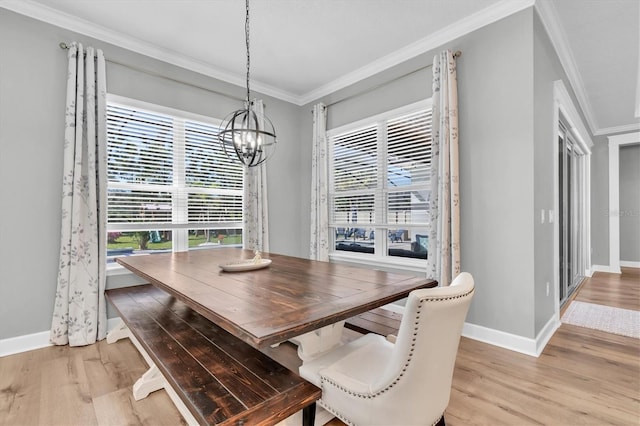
{"x":408,"y":207}
{"x":353,"y":209}
{"x":355,"y":240}
{"x":409,"y":149}
{"x":206,"y":165}
{"x":139,"y":146}
{"x":166,"y":170}
{"x":408,"y":243}
{"x":214,"y":208}
{"x":380,"y":186}
{"x":132,"y":206}
{"x":137,"y":242}
{"x":355,"y":160}
{"x":215,"y":238}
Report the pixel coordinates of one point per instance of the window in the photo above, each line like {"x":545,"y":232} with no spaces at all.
{"x":169,"y":184}
{"x":379,"y":186}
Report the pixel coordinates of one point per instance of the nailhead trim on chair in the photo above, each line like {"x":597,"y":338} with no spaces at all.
{"x":324,"y":380}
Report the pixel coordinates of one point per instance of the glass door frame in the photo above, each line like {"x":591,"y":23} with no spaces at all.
{"x":565,"y":110}
{"x":571,"y":212}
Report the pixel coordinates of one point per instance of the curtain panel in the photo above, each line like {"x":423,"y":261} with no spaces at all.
{"x":256,"y":208}
{"x":79,"y":316}
{"x":443,"y":262}
{"x":319,"y":248}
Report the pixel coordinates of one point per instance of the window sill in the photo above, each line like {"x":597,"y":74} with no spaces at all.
{"x":115,"y":269}
{"x":385,"y":263}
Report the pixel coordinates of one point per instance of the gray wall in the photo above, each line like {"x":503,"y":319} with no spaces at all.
{"x":495,"y":89}
{"x":505,"y":175}
{"x":547,"y":70}
{"x":630,"y":203}
{"x":32,"y":102}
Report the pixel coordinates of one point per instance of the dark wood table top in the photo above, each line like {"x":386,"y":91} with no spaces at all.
{"x":290,"y":297}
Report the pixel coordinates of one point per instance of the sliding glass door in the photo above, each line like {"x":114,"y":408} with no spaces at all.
{"x":571,"y":220}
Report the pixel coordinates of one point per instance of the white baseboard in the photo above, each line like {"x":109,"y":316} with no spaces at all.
{"x":601,"y":268}
{"x":29,"y":342}
{"x":608,"y":269}
{"x":524,"y":345}
{"x":532,"y":347}
{"x":546,"y":333}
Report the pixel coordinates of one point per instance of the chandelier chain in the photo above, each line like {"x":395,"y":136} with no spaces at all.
{"x":246,"y":33}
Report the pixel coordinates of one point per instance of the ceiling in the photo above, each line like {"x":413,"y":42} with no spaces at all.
{"x":598,"y":41}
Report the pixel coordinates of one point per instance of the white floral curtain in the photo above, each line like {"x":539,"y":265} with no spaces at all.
{"x":79,"y":316}
{"x":256,"y":209}
{"x":319,"y":249}
{"x":443,"y":263}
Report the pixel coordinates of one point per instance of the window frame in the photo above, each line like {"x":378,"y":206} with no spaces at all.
{"x":380,"y":259}
{"x":179,"y":230}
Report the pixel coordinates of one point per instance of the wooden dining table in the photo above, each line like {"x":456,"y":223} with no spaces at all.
{"x":295,"y":299}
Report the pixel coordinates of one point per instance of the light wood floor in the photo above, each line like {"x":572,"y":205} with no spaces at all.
{"x":583,"y":377}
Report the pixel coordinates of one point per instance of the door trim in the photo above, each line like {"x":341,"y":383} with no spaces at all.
{"x":565,"y":108}
{"x":615,"y":142}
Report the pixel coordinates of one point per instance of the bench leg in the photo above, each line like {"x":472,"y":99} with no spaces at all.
{"x":316,"y":342}
{"x":309,"y":415}
{"x":120,"y":331}
{"x":150,"y":381}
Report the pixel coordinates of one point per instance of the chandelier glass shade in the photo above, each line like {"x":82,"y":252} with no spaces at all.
{"x":247,"y":134}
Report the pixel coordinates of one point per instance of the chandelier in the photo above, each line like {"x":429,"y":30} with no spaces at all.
{"x":248,"y":134}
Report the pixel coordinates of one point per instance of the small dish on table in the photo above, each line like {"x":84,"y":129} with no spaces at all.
{"x":245,"y":265}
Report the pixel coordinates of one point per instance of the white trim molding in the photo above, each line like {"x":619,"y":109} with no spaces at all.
{"x":29,"y":342}
{"x":615,"y":142}
{"x":617,"y":129}
{"x":565,"y":108}
{"x":478,"y":20}
{"x":627,"y":264}
{"x":551,"y":22}
{"x":513,"y":342}
{"x":600,"y":268}
{"x":456,"y":30}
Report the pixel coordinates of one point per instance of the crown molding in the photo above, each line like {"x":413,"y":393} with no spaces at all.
{"x":550,"y":20}
{"x":465,"y":26}
{"x":458,"y":29}
{"x":617,"y":129}
{"x":72,"y":23}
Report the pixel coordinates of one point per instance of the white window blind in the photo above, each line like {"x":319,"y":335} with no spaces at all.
{"x":408,"y":165}
{"x":168,"y":172}
{"x":379,"y":182}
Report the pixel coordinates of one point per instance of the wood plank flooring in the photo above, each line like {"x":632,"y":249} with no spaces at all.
{"x":583,"y":376}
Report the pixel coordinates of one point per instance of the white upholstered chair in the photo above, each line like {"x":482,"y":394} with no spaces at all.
{"x":371,"y":381}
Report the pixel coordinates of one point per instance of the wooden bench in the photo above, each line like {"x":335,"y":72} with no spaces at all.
{"x":380,"y":321}
{"x":212,"y":377}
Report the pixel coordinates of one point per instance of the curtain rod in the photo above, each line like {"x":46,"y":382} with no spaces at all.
{"x":65,"y":46}
{"x":456,"y":55}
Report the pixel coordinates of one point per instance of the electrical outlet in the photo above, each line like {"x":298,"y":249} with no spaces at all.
{"x":542,"y":216}
{"x":550,"y":216}
{"x":547,"y":288}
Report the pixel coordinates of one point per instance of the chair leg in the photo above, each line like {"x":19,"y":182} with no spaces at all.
{"x":441,"y":421}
